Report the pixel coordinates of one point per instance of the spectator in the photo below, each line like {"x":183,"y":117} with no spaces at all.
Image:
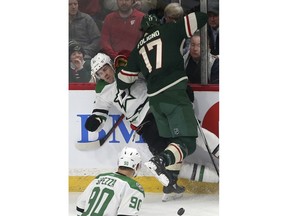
{"x":190,"y":5}
{"x":158,"y":58}
{"x":192,"y":62}
{"x":134,"y":105}
{"x":120,"y":195}
{"x":79,"y":69}
{"x":84,"y":30}
{"x":146,"y":5}
{"x":173,"y":12}
{"x":213,"y":28}
{"x":109,"y":5}
{"x":121,"y":29}
{"x":214,"y":77}
{"x":94,"y":9}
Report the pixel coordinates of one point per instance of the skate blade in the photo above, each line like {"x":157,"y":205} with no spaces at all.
{"x":172,"y":196}
{"x":161,"y":177}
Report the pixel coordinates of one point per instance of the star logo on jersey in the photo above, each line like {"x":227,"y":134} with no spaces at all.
{"x":122,"y":98}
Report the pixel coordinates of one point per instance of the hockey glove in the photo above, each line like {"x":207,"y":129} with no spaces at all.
{"x":92,"y":123}
{"x":121,"y":58}
{"x":120,"y":61}
{"x":190,"y":93}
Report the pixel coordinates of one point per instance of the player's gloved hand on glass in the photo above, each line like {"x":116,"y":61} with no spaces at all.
{"x":92,"y":123}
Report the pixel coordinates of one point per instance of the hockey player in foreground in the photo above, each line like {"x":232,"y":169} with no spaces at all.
{"x":133,"y":103}
{"x":113,"y":194}
{"x":157,"y":56}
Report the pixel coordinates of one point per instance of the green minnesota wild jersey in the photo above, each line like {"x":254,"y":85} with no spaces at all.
{"x":111,"y":194}
{"x":158,"y":55}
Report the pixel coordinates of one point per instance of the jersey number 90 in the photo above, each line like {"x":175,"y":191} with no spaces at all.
{"x":100,"y":200}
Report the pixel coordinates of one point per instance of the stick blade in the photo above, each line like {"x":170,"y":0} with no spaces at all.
{"x":87,"y":146}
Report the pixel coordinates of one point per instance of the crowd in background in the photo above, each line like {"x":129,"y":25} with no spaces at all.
{"x":111,"y":26}
{"x":101,"y":36}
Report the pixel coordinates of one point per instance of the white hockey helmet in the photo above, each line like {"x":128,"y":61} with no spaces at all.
{"x":130,"y":157}
{"x":98,"y":61}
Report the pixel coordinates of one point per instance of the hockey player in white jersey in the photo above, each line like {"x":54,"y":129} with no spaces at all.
{"x":133,"y":102}
{"x":114,"y":194}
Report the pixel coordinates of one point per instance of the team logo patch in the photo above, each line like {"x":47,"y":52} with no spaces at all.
{"x":176,"y":131}
{"x":122,"y":97}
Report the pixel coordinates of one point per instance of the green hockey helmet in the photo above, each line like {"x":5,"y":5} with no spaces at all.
{"x":149,"y":21}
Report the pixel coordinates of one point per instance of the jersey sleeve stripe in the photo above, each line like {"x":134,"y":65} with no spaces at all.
{"x":102,"y":111}
{"x":166,"y":87}
{"x":190,"y":24}
{"x":127,"y":77}
{"x":128,"y":73}
{"x":178,"y":157}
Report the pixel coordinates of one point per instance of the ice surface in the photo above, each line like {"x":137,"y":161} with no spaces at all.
{"x":194,"y":205}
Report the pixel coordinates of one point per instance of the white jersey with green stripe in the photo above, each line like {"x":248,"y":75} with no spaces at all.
{"x":111,"y":194}
{"x":132,"y":102}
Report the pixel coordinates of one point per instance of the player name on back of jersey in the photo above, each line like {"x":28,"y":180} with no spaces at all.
{"x":148,"y":38}
{"x":106,"y":181}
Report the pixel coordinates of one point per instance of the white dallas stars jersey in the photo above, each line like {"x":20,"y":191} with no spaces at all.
{"x":132,"y":102}
{"x":111,"y":194}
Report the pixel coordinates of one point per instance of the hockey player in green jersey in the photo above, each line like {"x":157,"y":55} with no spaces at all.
{"x":113,"y":194}
{"x":157,"y":56}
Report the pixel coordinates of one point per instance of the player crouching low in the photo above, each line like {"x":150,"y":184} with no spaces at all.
{"x":115,"y":193}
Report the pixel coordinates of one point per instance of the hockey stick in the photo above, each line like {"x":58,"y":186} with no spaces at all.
{"x":206,"y":144}
{"x":98,"y":143}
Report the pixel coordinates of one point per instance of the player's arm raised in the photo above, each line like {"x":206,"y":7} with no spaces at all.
{"x":127,"y":74}
{"x":194,"y":21}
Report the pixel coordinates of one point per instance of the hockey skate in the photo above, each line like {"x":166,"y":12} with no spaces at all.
{"x":172,"y":192}
{"x":157,"y":167}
